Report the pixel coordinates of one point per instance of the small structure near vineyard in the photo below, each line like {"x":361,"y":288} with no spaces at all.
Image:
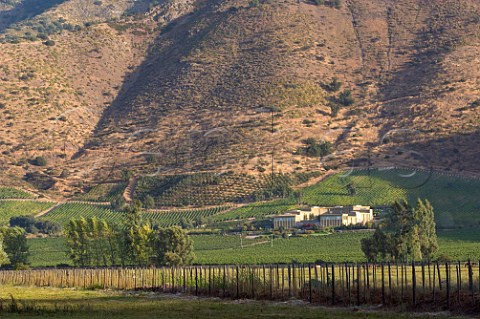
{"x":325,"y":216}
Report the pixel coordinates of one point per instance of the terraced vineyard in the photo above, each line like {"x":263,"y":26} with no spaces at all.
{"x":103,"y":193}
{"x":18,"y":208}
{"x":14,"y":193}
{"x":207,"y":189}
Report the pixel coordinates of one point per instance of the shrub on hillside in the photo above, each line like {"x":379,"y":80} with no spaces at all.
{"x":39,"y":161}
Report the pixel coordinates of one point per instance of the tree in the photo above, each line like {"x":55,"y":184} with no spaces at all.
{"x":92,"y":242}
{"x":428,"y":234}
{"x":136,"y":239}
{"x":149,"y":202}
{"x":404,"y":233}
{"x":3,"y":255}
{"x":186,"y":223}
{"x":173,"y":247}
{"x":15,"y":245}
{"x":314,"y":149}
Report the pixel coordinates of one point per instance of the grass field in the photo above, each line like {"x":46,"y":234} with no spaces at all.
{"x":34,"y":302}
{"x":18,"y":208}
{"x":216,"y":249}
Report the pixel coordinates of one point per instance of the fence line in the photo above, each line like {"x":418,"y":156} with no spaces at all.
{"x":425,"y":285}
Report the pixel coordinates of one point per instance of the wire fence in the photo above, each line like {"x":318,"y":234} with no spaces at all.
{"x":426,"y":286}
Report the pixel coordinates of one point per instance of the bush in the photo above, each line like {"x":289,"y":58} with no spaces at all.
{"x":345,"y":98}
{"x":315,"y":149}
{"x":49,"y":43}
{"x":254,"y":3}
{"x":149,"y":202}
{"x":39,"y":161}
{"x":334,"y":85}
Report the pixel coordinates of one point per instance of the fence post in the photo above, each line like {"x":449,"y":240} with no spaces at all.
{"x":383,"y":284}
{"x":333,"y":284}
{"x":289,"y":282}
{"x":238,"y":290}
{"x":358,"y":283}
{"x":447,"y":274}
{"x":196,"y":281}
{"x":459,"y":281}
{"x":414,"y":285}
{"x":310,"y":283}
{"x":470,"y":280}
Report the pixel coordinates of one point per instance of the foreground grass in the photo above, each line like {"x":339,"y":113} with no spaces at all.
{"x":60,"y":303}
{"x":458,"y":244}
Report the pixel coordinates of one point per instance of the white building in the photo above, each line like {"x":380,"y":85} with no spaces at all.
{"x":325,"y":216}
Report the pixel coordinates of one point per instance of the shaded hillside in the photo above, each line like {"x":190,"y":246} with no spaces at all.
{"x":232,"y":86}
{"x":223,"y":68}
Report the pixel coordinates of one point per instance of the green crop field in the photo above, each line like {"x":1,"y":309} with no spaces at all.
{"x":63,"y":213}
{"x":458,"y":244}
{"x":18,"y":208}
{"x":9,"y":192}
{"x":103,"y":193}
{"x":257,"y":210}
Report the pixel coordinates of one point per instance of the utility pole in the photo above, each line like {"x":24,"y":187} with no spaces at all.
{"x":273,"y":146}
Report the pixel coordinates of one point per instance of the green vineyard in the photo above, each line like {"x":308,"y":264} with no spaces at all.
{"x":174,"y":217}
{"x":456,"y":200}
{"x":456,"y":244}
{"x":206,"y":189}
{"x":257,"y":210}
{"x":13,"y":193}
{"x":107,"y":192}
{"x":65,"y":212}
{"x":21,"y":208}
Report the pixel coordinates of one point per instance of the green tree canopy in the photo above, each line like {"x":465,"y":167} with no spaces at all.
{"x":404,"y":233}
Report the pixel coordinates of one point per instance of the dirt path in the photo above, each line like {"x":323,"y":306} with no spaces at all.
{"x":129,"y":191}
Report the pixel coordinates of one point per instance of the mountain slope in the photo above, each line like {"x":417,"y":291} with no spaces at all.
{"x":234,"y":86}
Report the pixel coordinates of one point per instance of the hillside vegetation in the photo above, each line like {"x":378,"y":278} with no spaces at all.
{"x":177,"y":86}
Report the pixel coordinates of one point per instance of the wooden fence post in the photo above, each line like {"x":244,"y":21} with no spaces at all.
{"x":414,"y":285}
{"x":470,"y":280}
{"x":383,"y":284}
{"x":333,"y":284}
{"x":310,"y":283}
{"x":447,"y":274}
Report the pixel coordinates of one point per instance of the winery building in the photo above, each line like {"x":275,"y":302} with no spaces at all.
{"x":324,"y":217}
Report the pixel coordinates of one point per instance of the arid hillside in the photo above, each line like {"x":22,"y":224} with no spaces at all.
{"x":245,"y":86}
